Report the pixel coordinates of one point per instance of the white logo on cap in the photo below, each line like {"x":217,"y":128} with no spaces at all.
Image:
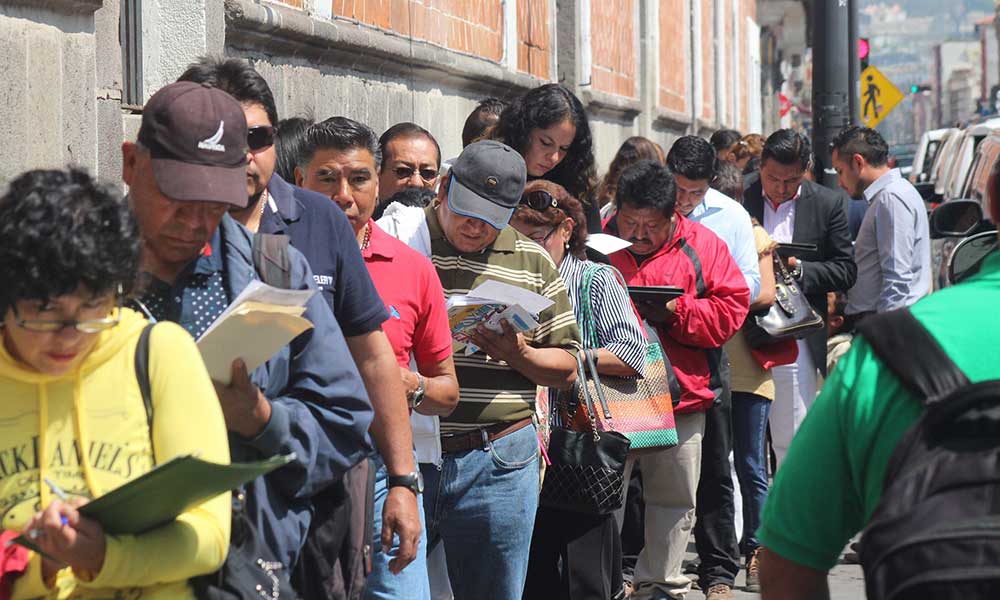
{"x":212,"y":143}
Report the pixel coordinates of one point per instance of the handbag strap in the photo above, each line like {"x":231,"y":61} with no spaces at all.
{"x":581,"y":383}
{"x":588,"y":319}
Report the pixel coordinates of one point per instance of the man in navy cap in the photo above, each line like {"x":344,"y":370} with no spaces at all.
{"x":185,"y":172}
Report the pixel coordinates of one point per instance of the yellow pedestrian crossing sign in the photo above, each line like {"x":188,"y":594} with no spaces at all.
{"x":878,"y":96}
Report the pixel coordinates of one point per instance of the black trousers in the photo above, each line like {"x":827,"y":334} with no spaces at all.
{"x":574,"y":557}
{"x":715,"y":530}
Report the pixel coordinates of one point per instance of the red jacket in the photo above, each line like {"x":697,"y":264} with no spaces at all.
{"x":701,"y":322}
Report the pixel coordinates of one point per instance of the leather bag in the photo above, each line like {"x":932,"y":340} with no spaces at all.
{"x":790,"y":317}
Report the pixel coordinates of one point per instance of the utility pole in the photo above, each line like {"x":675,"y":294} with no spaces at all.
{"x":830,"y":27}
{"x":854,"y":94}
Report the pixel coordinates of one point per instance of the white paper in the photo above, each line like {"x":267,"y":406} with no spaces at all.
{"x":258,"y":291}
{"x":606,"y":244}
{"x":504,"y":293}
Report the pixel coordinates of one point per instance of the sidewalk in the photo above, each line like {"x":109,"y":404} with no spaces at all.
{"x":846,"y":583}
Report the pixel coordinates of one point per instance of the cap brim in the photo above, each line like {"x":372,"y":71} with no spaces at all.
{"x":201,"y":183}
{"x":465,"y":202}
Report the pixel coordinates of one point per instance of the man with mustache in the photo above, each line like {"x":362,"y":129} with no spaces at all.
{"x":669,"y":249}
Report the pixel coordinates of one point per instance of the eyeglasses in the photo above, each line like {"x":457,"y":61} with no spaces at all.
{"x":81,"y":325}
{"x":541,"y":241}
{"x":427,"y":175}
{"x":260,"y":137}
{"x":539,"y":200}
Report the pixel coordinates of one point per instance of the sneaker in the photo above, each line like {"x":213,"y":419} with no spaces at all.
{"x":753,"y":571}
{"x":719,"y":591}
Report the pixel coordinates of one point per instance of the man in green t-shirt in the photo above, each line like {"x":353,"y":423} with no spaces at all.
{"x":831,"y":482}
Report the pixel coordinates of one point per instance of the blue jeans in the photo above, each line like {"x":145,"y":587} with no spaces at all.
{"x":481,"y":504}
{"x":750,"y":413}
{"x":411,"y":583}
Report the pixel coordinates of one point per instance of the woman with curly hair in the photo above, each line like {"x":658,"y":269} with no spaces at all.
{"x":573,"y":555}
{"x":72,"y":407}
{"x":632,"y":150}
{"x":745,"y":152}
{"x":549,"y":127}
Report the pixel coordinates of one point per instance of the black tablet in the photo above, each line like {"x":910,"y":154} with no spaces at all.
{"x":792,"y":247}
{"x":654,"y":293}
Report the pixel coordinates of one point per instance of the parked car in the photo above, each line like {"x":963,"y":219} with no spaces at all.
{"x":972,"y":238}
{"x":927,"y":148}
{"x":961,"y":166}
{"x":942,"y":164}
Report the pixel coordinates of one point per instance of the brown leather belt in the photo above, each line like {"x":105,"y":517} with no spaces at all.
{"x":479,"y":439}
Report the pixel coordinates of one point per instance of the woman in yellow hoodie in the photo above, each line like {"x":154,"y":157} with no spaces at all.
{"x":71,"y":411}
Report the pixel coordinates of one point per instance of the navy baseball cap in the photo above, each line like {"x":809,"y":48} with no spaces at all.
{"x":487,"y":181}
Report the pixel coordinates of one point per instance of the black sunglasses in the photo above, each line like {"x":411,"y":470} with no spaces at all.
{"x":539,"y":200}
{"x":260,"y":137}
{"x":427,"y":175}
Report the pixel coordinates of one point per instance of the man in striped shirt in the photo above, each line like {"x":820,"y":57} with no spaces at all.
{"x":481,"y":500}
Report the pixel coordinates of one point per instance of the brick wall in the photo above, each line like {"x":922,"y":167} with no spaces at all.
{"x":613,"y":45}
{"x":534,"y":48}
{"x":473,"y":27}
{"x":707,"y":60}
{"x":673,"y":56}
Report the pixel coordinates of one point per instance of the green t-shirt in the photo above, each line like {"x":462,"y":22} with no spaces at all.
{"x":832,"y":479}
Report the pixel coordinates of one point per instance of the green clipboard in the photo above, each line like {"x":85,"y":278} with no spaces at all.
{"x":167,"y":491}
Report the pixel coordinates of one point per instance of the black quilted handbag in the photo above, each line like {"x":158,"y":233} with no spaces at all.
{"x":587,"y":470}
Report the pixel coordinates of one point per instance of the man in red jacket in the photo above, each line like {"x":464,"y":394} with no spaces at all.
{"x":668,"y":249}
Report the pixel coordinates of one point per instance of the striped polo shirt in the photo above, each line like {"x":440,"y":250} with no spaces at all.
{"x":489,"y":390}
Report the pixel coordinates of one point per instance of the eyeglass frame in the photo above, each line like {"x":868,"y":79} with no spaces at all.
{"x":98,"y":325}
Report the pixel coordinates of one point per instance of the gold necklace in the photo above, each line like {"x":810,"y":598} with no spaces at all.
{"x":368,"y":236}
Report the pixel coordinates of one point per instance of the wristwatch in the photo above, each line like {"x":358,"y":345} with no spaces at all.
{"x":414,"y":481}
{"x":417,"y":396}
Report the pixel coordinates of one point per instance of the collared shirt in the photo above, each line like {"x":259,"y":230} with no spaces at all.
{"x":410,"y":288}
{"x":616,"y":327}
{"x":893,"y":249}
{"x":779,"y":221}
{"x":196,"y":298}
{"x":489,"y":390}
{"x":831,"y":482}
{"x":318,"y":229}
{"x":730,"y":221}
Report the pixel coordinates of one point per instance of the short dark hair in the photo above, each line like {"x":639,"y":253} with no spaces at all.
{"x":729,"y":180}
{"x":864,"y":141}
{"x":406,"y":130}
{"x":484,"y":116}
{"x":237,"y":78}
{"x":723,"y":139}
{"x":289,"y":141}
{"x":61,"y":230}
{"x":340,"y":133}
{"x":692,"y":157}
{"x":787,"y":147}
{"x":648,"y":184}
{"x":408,"y":196}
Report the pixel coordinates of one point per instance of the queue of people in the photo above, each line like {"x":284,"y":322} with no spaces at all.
{"x":417,"y":462}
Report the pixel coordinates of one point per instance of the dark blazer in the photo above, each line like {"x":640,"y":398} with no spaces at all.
{"x":820,"y":219}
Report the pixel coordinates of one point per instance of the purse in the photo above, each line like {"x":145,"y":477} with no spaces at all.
{"x":790,"y":317}
{"x":642,"y":407}
{"x":586,"y":471}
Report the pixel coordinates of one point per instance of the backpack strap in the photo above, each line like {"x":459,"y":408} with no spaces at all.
{"x":142,"y":377}
{"x":271,"y":260}
{"x":912,"y":354}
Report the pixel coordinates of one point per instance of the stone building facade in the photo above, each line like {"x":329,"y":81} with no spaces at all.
{"x":77,"y":71}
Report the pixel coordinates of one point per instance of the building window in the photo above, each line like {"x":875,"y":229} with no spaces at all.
{"x":130,"y":37}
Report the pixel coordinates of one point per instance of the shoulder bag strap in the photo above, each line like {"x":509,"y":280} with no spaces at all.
{"x":142,"y":377}
{"x":588,"y":321}
{"x":912,"y":354}
{"x":271,"y":260}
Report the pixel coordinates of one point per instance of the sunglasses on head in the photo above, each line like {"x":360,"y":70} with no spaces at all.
{"x":427,"y":175}
{"x":260,"y":137}
{"x":539,"y":200}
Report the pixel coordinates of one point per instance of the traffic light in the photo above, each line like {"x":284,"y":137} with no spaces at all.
{"x":863,"y":51}
{"x":917,"y":88}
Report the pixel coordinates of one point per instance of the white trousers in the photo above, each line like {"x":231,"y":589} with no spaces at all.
{"x":794,"y":392}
